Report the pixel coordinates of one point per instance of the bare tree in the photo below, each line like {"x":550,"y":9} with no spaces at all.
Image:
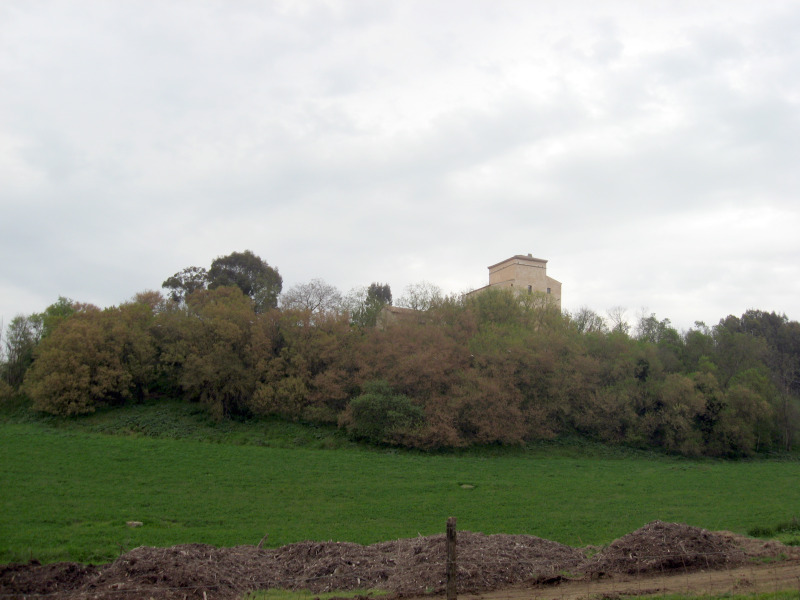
{"x":316,"y":296}
{"x":420,"y":296}
{"x":618,"y":318}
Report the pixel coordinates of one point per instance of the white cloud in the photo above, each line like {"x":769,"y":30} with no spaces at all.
{"x":647,"y":149}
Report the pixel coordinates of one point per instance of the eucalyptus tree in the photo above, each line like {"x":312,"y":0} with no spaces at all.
{"x":251,"y":274}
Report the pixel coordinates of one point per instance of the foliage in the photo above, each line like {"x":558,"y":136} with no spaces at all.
{"x":585,"y":320}
{"x":380,"y":292}
{"x":303,"y":365}
{"x":379,"y":415}
{"x":421,"y":296}
{"x":489,"y":368}
{"x":213,"y":351}
{"x":6,"y":392}
{"x":186,"y":282}
{"x":24,"y":334}
{"x":365,"y":304}
{"x":20,"y":341}
{"x":251,"y":274}
{"x":93,"y":358}
{"x":617,"y":317}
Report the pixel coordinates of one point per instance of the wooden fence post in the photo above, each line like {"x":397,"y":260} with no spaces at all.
{"x":451,"y":558}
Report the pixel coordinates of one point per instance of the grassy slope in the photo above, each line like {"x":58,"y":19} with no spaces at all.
{"x":66,"y":491}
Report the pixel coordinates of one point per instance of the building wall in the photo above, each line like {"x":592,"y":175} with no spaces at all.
{"x":524,"y":274}
{"x":390,"y":315}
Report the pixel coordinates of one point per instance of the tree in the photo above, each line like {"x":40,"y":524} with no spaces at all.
{"x":497,"y":306}
{"x":364,"y":304}
{"x":45,"y":322}
{"x":420,"y":296}
{"x":214,"y":351}
{"x":782,"y":357}
{"x":618,"y":318}
{"x":249,"y":273}
{"x":316,"y":296}
{"x":21,"y":340}
{"x":186,"y":282}
{"x":416,"y":360}
{"x":586,"y":320}
{"x":670,"y":421}
{"x":650,"y":329}
{"x":72,"y":372}
{"x":152,"y":299}
{"x":93,"y":358}
{"x":379,"y":415}
{"x":304,"y":365}
{"x":698,"y":347}
{"x":380,"y":292}
{"x":736,"y":351}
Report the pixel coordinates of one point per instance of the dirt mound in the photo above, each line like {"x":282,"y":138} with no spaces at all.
{"x":485,"y":562}
{"x":410,"y":566}
{"x":660,"y":546}
{"x":182,"y":572}
{"x":407,"y":567}
{"x":34,"y":578}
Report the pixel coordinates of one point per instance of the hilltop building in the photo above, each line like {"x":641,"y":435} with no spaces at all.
{"x":390,"y":315}
{"x":522,"y":274}
{"x":525,"y":275}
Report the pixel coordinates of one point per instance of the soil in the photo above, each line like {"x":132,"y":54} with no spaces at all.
{"x":494,"y":566}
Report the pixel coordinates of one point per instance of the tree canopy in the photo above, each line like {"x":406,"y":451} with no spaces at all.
{"x":244,"y":270}
{"x":316,"y":296}
{"x":186,"y":282}
{"x":490,"y":368}
{"x":249,"y":273}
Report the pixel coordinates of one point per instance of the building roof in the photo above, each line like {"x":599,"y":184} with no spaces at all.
{"x":520,"y":257}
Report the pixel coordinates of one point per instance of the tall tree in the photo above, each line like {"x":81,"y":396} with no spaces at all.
{"x":214,"y":351}
{"x":586,"y":320}
{"x":93,"y":358}
{"x":249,"y":273}
{"x":21,"y":340}
{"x":365,"y":304}
{"x":316,"y":297}
{"x":380,"y":292}
{"x":617,"y":316}
{"x":186,"y":282}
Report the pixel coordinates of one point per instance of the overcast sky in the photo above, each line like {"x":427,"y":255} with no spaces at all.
{"x":650,"y":151}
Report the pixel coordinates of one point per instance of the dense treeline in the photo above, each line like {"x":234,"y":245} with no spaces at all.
{"x":489,"y":368}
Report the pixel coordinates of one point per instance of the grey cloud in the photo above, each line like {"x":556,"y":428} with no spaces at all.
{"x":363,"y":141}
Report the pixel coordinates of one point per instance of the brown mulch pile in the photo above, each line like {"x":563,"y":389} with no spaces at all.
{"x":405,"y":567}
{"x":660,"y":547}
{"x":35,"y":579}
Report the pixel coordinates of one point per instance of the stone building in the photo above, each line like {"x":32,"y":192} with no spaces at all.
{"x":524,"y":275}
{"x":390,"y":315}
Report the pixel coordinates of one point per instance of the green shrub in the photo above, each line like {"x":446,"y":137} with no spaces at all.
{"x":791,"y":526}
{"x":6,"y":391}
{"x":760,"y":531}
{"x":379,"y":415}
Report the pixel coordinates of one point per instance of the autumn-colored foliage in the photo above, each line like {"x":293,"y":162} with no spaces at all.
{"x":95,"y":357}
{"x":493,"y":368}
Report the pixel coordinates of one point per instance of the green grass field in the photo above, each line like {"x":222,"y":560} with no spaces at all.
{"x":66,"y":491}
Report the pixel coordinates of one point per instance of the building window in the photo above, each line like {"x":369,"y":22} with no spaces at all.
{"x":548,"y":290}
{"x":530,"y":289}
